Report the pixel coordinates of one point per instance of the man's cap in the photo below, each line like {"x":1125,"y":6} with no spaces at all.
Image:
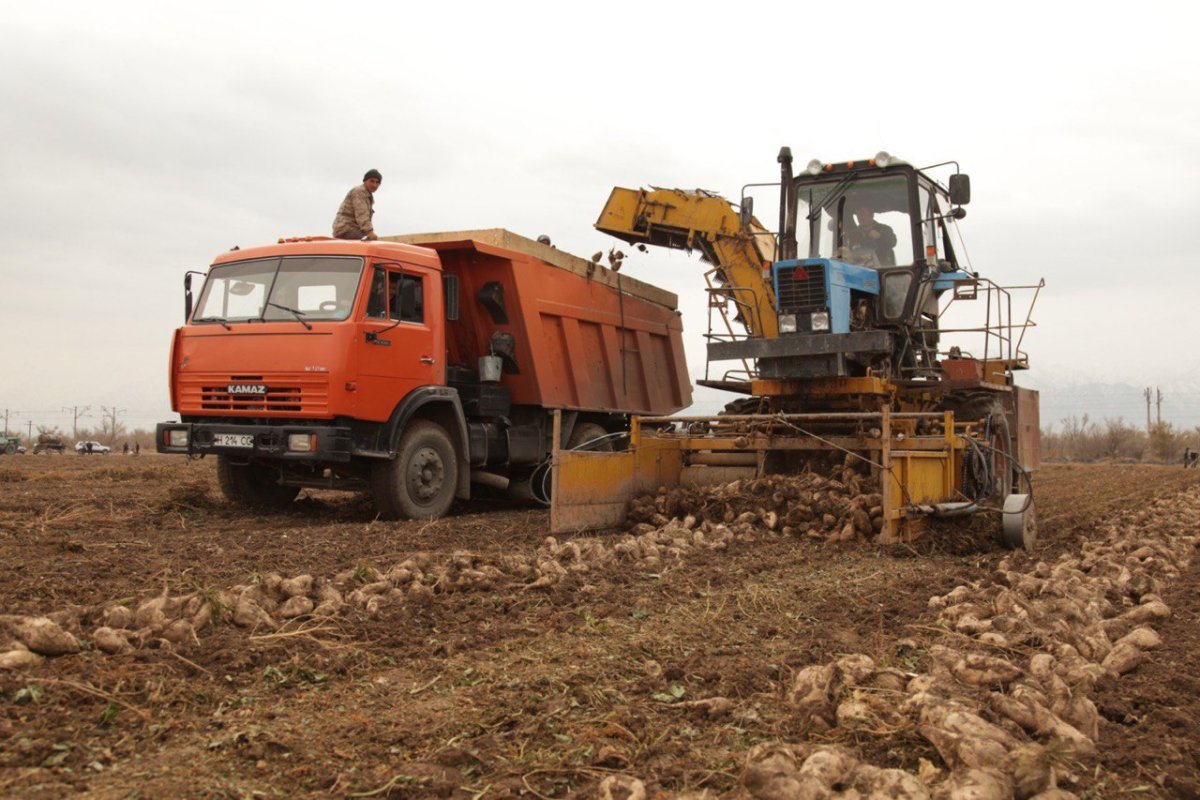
{"x":372,"y":173}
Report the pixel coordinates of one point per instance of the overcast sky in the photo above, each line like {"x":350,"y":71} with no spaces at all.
{"x":142,"y":139}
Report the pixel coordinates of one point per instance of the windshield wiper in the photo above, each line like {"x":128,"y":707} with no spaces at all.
{"x":833,"y":196}
{"x":224,"y":323}
{"x":299,"y":314}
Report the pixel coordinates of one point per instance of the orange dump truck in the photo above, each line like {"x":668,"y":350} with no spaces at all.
{"x":413,"y":367}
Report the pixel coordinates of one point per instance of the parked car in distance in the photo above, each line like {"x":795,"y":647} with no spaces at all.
{"x":94,"y":448}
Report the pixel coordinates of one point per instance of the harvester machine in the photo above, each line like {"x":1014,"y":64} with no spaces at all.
{"x":835,"y":334}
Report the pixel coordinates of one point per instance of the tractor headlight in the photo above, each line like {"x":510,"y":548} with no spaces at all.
{"x":883,"y":158}
{"x":177,"y":437}
{"x":815,"y":166}
{"x":820,"y":321}
{"x":787,"y":323}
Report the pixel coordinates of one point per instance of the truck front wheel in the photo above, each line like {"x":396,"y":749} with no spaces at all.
{"x":253,"y":485}
{"x":419,"y":482}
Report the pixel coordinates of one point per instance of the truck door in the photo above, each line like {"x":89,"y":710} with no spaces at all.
{"x":401,"y":342}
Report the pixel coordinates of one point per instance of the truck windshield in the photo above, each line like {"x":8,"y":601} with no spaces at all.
{"x":311,"y":288}
{"x":864,"y":221}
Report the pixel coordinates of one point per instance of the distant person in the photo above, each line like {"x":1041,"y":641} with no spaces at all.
{"x":137,"y":448}
{"x":353,"y":220}
{"x":125,"y":448}
{"x":1195,"y":459}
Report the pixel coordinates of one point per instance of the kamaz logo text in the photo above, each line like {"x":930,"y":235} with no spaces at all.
{"x":247,"y":388}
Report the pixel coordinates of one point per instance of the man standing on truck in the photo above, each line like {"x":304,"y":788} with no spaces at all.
{"x":353,"y":220}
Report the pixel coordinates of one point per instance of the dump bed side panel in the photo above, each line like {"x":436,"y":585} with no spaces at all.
{"x":576,"y":343}
{"x":598,"y":348}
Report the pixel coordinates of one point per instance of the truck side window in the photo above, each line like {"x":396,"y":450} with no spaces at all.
{"x":407,"y":298}
{"x":376,"y":303}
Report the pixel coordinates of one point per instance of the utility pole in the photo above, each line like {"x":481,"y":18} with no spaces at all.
{"x":1158,"y":406}
{"x":1146,"y":394}
{"x":78,"y":413}
{"x":6,"y":422}
{"x":29,"y":436}
{"x":111,"y":413}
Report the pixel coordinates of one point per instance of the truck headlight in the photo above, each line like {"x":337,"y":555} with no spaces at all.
{"x":787,"y":323}
{"x":820,"y":321}
{"x":177,"y":437}
{"x":302,"y":442}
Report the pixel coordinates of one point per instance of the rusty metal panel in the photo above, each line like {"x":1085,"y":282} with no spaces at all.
{"x":1028,"y":432}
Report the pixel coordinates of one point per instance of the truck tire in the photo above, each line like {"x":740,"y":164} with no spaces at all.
{"x":420,"y":482}
{"x":10,"y":449}
{"x":585,"y":432}
{"x":253,"y":486}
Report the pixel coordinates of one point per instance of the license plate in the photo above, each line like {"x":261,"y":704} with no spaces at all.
{"x":233,"y":440}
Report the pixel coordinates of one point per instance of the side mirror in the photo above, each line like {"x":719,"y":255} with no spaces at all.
{"x":747,"y":213}
{"x":960,"y":189}
{"x":187,"y":297}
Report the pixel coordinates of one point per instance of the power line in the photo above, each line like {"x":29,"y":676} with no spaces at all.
{"x":77,"y":413}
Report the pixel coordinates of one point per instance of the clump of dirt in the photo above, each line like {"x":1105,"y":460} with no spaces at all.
{"x":12,"y":476}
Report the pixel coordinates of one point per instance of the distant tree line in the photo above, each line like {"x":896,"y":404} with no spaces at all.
{"x":1081,"y":439}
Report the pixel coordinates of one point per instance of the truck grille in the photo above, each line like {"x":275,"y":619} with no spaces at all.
{"x":287,"y":393}
{"x":802,"y":287}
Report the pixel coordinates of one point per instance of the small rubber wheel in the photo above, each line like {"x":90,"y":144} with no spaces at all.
{"x":1018,"y":526}
{"x":420,"y":482}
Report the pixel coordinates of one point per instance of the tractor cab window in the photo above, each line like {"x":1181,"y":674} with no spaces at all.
{"x":865,"y":221}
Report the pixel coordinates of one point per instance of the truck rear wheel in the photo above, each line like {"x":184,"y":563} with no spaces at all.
{"x":419,"y":483}
{"x":592,"y":435}
{"x":253,"y":485}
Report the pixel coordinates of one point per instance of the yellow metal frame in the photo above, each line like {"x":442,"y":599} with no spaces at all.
{"x":592,"y":490}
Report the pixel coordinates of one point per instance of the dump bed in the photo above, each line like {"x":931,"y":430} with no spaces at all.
{"x":573,"y":334}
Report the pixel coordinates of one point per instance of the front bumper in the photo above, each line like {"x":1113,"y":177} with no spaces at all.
{"x":331,"y":443}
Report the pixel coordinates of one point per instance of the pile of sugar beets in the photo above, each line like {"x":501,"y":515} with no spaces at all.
{"x":664,"y":529}
{"x":1005,"y":697}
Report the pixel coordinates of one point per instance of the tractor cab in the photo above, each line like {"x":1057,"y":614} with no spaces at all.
{"x":865,"y":248}
{"x":879,"y":213}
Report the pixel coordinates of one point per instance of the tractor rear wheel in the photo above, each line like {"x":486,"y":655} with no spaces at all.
{"x":990,"y":469}
{"x":253,"y":485}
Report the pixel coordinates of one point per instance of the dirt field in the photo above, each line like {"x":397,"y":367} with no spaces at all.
{"x":501,"y":691}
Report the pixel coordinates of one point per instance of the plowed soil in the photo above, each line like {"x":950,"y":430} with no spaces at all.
{"x":494,"y":693}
